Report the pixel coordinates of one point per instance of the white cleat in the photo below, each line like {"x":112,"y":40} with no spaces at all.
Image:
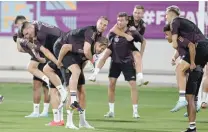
{"x":136,"y":115}
{"x":109,"y":115}
{"x":44,"y":114}
{"x":85,"y":124}
{"x":179,"y":105}
{"x":71,"y":126}
{"x":141,"y":81}
{"x":33,"y":115}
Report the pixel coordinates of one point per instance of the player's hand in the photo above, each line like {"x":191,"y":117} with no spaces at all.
{"x":132,"y":28}
{"x":192,"y":66}
{"x":173,"y":61}
{"x":92,"y":77}
{"x":59,"y":64}
{"x":129,"y":37}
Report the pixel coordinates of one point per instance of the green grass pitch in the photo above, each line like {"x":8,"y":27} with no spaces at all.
{"x":154,"y":109}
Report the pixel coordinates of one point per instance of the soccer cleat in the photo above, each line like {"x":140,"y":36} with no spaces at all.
{"x":53,"y":123}
{"x":85,"y":124}
{"x":109,"y":115}
{"x":136,"y":115}
{"x":76,"y":105}
{"x":71,"y":126}
{"x":141,"y":82}
{"x":1,"y":98}
{"x":179,"y":105}
{"x":44,"y":114}
{"x":62,"y":123}
{"x":33,"y":115}
{"x":190,"y":130}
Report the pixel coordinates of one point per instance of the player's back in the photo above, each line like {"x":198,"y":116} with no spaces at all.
{"x":188,"y":29}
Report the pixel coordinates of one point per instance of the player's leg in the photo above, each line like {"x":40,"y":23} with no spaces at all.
{"x":73,"y":83}
{"x":181,"y":80}
{"x":114,"y":73}
{"x":130,"y":76}
{"x":194,"y":79}
{"x":37,"y":84}
{"x":138,"y":67}
{"x":82,"y":101}
{"x":205,"y":89}
{"x":46,"y":101}
{"x":49,"y":70}
{"x":58,"y":119}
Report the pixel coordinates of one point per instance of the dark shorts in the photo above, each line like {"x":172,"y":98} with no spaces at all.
{"x":127,"y":69}
{"x":201,"y":57}
{"x":194,"y":81}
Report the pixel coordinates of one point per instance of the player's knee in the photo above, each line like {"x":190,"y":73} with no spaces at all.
{"x":137,"y":56}
{"x":132,"y":83}
{"x":112,"y":85}
{"x":37,"y":85}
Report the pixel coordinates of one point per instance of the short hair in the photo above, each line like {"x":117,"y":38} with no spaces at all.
{"x":139,"y":7}
{"x":166,"y":28}
{"x":174,"y":9}
{"x":103,"y":40}
{"x":123,"y":14}
{"x":104,"y":17}
{"x":24,"y":25}
{"x":20,"y":17}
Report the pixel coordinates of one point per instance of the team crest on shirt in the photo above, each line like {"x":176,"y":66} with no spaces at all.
{"x":93,"y":36}
{"x":116,"y":39}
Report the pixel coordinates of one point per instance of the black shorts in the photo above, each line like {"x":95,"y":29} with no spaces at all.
{"x":201,"y":57}
{"x":127,"y":69}
{"x":194,"y":81}
{"x":40,"y":67}
{"x":81,"y":80}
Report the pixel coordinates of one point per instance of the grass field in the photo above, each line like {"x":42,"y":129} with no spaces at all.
{"x":154,"y":107}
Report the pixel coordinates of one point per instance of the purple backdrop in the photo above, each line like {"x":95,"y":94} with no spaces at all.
{"x":86,"y":13}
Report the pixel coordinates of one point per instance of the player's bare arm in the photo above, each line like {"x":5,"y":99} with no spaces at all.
{"x":64,"y":49}
{"x":48,"y":54}
{"x":174,"y":41}
{"x":118,"y":32}
{"x":19,"y":47}
{"x":103,"y":59}
{"x":87,"y":50}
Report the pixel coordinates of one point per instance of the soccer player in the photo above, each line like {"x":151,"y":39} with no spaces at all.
{"x":196,"y":62}
{"x":136,"y":23}
{"x":39,"y":32}
{"x":186,"y":29}
{"x":122,"y":61}
{"x":35,"y":67}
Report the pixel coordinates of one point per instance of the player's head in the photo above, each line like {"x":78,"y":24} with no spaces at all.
{"x":122,"y":20}
{"x":138,"y":12}
{"x":28,"y":30}
{"x":19,"y":20}
{"x":102,"y":24}
{"x":101,"y":44}
{"x":168,"y":34}
{"x":172,"y":12}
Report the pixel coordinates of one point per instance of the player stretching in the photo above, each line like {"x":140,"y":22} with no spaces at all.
{"x":136,"y":23}
{"x":35,"y":67}
{"x":186,"y":35}
{"x":122,"y":61}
